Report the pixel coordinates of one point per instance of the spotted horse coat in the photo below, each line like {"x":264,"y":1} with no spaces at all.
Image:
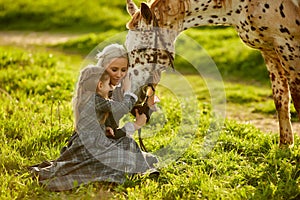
{"x":271,"y":26}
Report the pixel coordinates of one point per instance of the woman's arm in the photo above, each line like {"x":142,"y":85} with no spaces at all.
{"x":119,"y":109}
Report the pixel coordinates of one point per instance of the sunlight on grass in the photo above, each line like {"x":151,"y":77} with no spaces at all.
{"x":36,"y":119}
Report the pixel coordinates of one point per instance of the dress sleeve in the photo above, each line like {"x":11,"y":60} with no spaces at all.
{"x":117,"y":94}
{"x":119,"y":109}
{"x":102,"y":105}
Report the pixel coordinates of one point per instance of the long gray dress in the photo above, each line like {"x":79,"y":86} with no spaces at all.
{"x":91,"y":156}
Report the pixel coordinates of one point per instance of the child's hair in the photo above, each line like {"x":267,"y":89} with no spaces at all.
{"x":104,"y":77}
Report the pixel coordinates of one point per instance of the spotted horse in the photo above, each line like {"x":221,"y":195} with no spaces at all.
{"x":271,"y":26}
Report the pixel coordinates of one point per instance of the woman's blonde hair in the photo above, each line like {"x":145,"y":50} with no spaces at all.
{"x":110,"y":53}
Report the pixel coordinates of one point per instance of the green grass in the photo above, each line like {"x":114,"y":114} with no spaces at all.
{"x":36,"y":119}
{"x":37,"y":84}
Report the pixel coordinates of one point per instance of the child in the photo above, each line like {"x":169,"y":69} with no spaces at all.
{"x":103,"y":106}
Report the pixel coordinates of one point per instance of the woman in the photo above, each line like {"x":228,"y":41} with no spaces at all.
{"x":90,"y":155}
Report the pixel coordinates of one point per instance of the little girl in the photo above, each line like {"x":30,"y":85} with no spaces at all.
{"x":103,"y":107}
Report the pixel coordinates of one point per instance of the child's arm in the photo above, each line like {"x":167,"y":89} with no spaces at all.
{"x":120,"y":108}
{"x":101,"y":104}
{"x":117,"y":109}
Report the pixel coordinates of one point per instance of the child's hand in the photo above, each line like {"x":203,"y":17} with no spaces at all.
{"x":109,"y":132}
{"x":126,"y":83}
{"x":140,"y":120}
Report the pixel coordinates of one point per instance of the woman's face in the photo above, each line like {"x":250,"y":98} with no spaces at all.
{"x":117,"y":70}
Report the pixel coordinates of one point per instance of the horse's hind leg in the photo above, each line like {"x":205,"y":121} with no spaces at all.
{"x":281,"y":97}
{"x":294,"y":79}
{"x":289,"y":56}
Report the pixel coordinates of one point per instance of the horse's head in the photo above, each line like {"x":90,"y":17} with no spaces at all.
{"x":150,"y":50}
{"x":150,"y":47}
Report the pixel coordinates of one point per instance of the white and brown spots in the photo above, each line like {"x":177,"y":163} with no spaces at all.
{"x":271,"y":26}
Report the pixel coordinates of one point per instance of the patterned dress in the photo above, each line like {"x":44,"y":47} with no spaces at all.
{"x":91,"y":156}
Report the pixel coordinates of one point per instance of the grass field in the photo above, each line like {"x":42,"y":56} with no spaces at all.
{"x":36,"y":87}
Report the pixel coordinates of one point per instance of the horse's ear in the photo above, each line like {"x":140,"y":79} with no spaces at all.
{"x":131,"y":7}
{"x":146,"y":13}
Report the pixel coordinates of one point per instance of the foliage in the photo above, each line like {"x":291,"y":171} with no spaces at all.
{"x":81,"y":15}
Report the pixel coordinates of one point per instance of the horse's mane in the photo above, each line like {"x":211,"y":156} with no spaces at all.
{"x":169,"y":8}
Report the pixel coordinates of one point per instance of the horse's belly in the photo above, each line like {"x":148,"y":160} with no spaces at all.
{"x":256,"y":40}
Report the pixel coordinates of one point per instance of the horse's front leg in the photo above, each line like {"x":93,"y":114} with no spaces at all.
{"x":281,"y":97}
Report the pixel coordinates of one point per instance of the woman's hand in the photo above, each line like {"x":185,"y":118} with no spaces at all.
{"x":126,"y":84}
{"x":140,"y":120}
